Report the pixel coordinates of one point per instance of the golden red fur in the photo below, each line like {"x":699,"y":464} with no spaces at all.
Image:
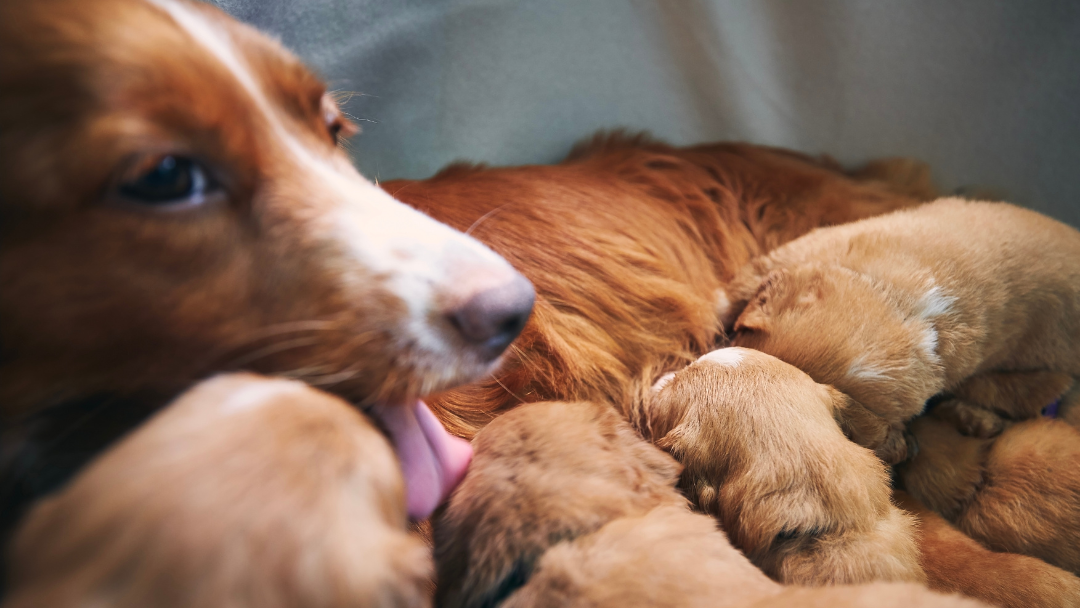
{"x":174,"y":203}
{"x":278,"y":257}
{"x":627,"y":242}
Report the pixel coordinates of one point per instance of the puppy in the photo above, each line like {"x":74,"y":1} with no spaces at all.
{"x":979,"y":301}
{"x":1019,"y":492}
{"x":564,"y":505}
{"x":953,"y":562}
{"x":246,"y":491}
{"x":174,"y":202}
{"x":765,"y":456}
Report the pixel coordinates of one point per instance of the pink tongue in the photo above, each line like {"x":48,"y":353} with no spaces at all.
{"x":432,"y":460}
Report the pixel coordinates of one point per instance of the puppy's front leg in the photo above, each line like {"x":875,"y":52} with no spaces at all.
{"x":246,"y":491}
{"x":984,"y":404}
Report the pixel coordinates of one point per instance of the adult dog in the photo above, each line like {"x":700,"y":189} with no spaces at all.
{"x":174,"y":204}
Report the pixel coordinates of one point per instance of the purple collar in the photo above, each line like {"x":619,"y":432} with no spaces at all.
{"x":1051,"y":411}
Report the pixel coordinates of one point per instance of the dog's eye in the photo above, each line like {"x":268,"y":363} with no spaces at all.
{"x":337,"y":125}
{"x":340,"y":128}
{"x":169,"y":181}
{"x":335,"y":131}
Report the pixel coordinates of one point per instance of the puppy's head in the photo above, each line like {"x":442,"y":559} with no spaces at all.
{"x":246,"y":491}
{"x":174,"y":201}
{"x":543,"y":473}
{"x":843,"y":329}
{"x":764,"y":454}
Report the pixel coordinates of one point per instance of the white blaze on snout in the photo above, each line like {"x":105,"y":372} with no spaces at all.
{"x":429,"y":265}
{"x":425,"y":263}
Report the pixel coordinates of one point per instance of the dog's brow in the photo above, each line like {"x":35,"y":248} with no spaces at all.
{"x":219,"y":45}
{"x":215,"y":42}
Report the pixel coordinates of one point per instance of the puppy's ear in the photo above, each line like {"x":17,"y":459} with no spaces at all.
{"x":756,"y":314}
{"x":811,"y":290}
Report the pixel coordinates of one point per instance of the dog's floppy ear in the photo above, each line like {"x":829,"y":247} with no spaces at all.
{"x":756,"y":314}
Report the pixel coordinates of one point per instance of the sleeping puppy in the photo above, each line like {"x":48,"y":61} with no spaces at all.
{"x":564,"y":505}
{"x":979,"y":301}
{"x":315,"y":515}
{"x":1018,"y":492}
{"x":764,"y":455}
{"x":955,"y":563}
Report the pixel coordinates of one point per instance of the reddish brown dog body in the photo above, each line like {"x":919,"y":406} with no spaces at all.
{"x":627,"y":242}
{"x":955,"y":563}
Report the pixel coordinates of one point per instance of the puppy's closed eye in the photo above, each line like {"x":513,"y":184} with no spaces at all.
{"x":795,"y":535}
{"x":514,"y":579}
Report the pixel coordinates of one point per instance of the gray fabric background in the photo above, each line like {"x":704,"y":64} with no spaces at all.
{"x":987,"y":91}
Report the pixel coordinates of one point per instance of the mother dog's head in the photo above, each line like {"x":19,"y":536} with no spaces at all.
{"x":174,"y":201}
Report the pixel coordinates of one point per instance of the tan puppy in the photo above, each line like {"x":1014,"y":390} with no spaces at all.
{"x":315,"y":513}
{"x":564,"y":505}
{"x":980,"y":300}
{"x":764,"y":455}
{"x":953,"y":562}
{"x":1018,"y":493}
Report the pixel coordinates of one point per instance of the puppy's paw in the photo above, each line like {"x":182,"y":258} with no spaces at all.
{"x":895,"y":449}
{"x":971,"y":420}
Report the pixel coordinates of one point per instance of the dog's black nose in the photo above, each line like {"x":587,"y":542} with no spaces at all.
{"x":491,"y":319}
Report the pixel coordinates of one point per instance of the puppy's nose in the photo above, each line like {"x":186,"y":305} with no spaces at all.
{"x":492,"y":318}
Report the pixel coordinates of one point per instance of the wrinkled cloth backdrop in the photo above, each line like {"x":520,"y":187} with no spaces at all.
{"x":986,"y":91}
